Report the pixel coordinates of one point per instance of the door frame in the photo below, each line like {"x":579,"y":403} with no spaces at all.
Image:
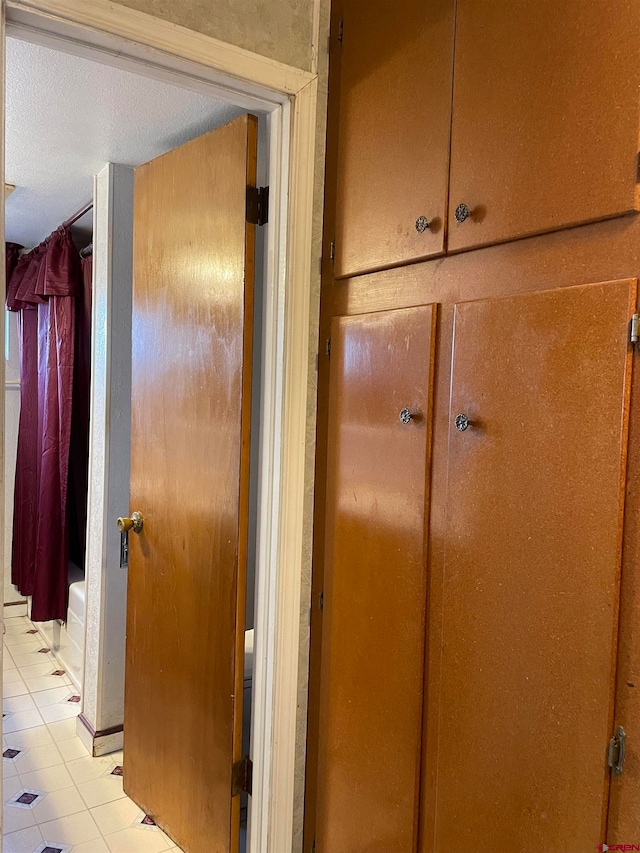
{"x":163,"y":50}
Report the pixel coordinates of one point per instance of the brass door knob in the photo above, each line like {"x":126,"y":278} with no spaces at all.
{"x":134,"y":523}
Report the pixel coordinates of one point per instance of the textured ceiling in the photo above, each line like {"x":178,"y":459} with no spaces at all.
{"x":67,"y":117}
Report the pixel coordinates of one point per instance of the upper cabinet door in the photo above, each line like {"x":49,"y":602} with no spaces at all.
{"x":395,"y":119}
{"x":545,"y":116}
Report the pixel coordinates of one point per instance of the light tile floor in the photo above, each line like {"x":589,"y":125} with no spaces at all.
{"x":56,"y":797}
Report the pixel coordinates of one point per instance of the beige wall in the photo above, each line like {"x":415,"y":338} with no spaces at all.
{"x":282,"y":30}
{"x":279,"y":29}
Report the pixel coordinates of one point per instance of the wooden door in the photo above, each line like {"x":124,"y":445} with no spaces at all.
{"x":191,"y":401}
{"x":395,"y":116}
{"x":374,"y":598}
{"x":526,"y":637}
{"x":545,"y":116}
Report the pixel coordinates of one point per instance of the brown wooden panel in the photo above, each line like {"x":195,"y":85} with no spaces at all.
{"x":375,"y":583}
{"x":395,"y":118}
{"x":624,"y":809}
{"x":545,"y":116}
{"x":525,"y":618}
{"x":192,"y":332}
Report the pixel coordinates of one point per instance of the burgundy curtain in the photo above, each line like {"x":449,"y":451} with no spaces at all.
{"x":44,"y":287}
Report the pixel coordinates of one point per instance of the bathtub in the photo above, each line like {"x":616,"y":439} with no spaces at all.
{"x":66,"y":639}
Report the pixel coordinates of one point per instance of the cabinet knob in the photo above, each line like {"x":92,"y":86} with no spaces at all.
{"x":406,"y":416}
{"x":462,"y":212}
{"x":462,"y":422}
{"x":422,"y":224}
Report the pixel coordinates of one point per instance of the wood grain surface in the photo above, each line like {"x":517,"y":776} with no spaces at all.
{"x":191,"y":402}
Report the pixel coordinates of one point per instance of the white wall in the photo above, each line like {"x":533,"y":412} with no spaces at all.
{"x":109,"y":450}
{"x":12,"y":416}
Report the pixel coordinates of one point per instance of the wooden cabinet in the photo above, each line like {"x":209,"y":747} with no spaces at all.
{"x":532,"y":655}
{"x":395,"y":118}
{"x":545,"y":116}
{"x":375,"y":584}
{"x":526,"y":636}
{"x":541,"y":132}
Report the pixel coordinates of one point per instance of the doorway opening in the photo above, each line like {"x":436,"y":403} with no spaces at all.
{"x":99,"y":117}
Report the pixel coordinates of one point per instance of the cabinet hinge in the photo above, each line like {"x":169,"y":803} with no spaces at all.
{"x":328,"y":348}
{"x":241,"y":776}
{"x":617,"y":750}
{"x":332,"y":250}
{"x":340,"y":31}
{"x":321,"y":601}
{"x":258,"y":205}
{"x":634,"y":333}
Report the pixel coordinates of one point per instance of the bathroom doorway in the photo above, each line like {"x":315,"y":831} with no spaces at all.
{"x":99,"y":740}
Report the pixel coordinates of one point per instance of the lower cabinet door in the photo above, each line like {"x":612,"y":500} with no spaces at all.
{"x":525,"y":641}
{"x":374,"y":616}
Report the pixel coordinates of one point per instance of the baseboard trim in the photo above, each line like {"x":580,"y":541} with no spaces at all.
{"x":100,"y":742}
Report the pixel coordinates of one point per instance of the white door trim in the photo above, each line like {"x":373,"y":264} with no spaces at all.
{"x":289,"y":94}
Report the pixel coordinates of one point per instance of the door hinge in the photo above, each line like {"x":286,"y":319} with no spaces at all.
{"x":634,"y":336}
{"x":332,"y":250}
{"x":258,"y":205}
{"x":617,"y":751}
{"x":328,"y":348}
{"x":241,"y":777}
{"x":340,"y":31}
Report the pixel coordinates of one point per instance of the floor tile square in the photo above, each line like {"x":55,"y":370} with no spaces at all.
{"x":137,"y":841}
{"x":38,"y":669}
{"x":47,"y":779}
{"x":74,"y":829}
{"x":64,"y":729}
{"x":61,"y":711}
{"x":13,"y":704}
{"x":23,"y":841}
{"x":38,"y":758}
{"x":96,"y":846}
{"x":51,"y":697}
{"x":22,"y":720}
{"x":8,"y":771}
{"x":57,"y":805}
{"x":116,"y":816}
{"x":88,"y":768}
{"x":29,"y":738}
{"x":15,"y":819}
{"x":45,"y":682}
{"x":11,"y":787}
{"x":99,"y":791}
{"x":72,"y":748}
{"x":12,"y":678}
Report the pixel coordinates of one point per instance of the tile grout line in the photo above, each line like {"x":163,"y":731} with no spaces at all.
{"x":93,"y":798}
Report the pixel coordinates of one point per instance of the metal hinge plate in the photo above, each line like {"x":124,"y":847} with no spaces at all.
{"x":340,"y":31}
{"x":617,"y":751}
{"x":328,"y":348}
{"x":258,"y":205}
{"x":241,"y":777}
{"x":332,"y":250}
{"x":634,"y":336}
